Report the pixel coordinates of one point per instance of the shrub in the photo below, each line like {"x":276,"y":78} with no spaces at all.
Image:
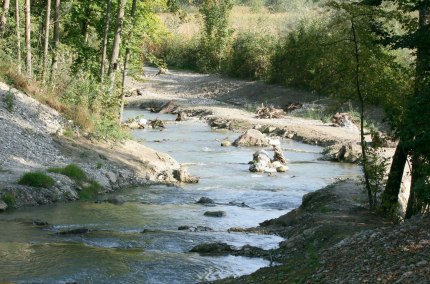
{"x":36,"y":179}
{"x":9,"y":199}
{"x":9,"y":101}
{"x":72,"y":171}
{"x":179,"y":52}
{"x":90,"y":192}
{"x":251,"y":55}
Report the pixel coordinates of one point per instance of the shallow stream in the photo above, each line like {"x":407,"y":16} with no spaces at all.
{"x":139,"y":241}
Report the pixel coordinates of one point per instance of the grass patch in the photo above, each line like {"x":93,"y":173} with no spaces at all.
{"x":90,"y":191}
{"x":9,"y":199}
{"x":36,"y":179}
{"x":9,"y":101}
{"x":72,"y":171}
{"x":89,"y":188}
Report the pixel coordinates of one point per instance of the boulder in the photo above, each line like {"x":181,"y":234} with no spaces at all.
{"x":252,"y":138}
{"x":225,"y":143}
{"x":3,"y":205}
{"x":260,"y":162}
{"x":182,"y":116}
{"x":213,"y":248}
{"x":215,"y":213}
{"x":205,"y":200}
{"x":78,"y":231}
{"x":117,"y":200}
{"x":348,"y":152}
{"x":157,"y":123}
{"x":195,"y":229}
{"x":169,"y":107}
{"x":182,"y":175}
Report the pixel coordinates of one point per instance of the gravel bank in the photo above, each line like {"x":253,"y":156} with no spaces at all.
{"x":32,"y":140}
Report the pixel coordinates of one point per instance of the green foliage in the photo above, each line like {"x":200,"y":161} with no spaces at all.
{"x":179,"y":52}
{"x":9,"y":199}
{"x":72,"y":171}
{"x":90,"y":191}
{"x":215,"y":34}
{"x":376,"y":165}
{"x":36,"y":179}
{"x":99,"y":165}
{"x":9,"y":100}
{"x":251,"y":56}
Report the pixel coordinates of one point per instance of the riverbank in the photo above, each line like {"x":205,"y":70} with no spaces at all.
{"x":35,"y":138}
{"x":330,"y":220}
{"x":226,"y":101}
{"x":333,"y":237}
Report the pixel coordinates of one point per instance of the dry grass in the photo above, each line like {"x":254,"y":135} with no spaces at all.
{"x":243,"y":19}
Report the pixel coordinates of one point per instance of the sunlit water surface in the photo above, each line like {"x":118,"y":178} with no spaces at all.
{"x":139,"y":241}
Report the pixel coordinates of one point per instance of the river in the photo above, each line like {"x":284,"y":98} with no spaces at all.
{"x":139,"y":241}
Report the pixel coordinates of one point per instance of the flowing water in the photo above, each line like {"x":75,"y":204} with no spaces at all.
{"x":139,"y":241}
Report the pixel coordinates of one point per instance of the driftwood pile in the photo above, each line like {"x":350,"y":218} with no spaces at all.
{"x":292,"y":106}
{"x":342,"y":119}
{"x":269,"y":112}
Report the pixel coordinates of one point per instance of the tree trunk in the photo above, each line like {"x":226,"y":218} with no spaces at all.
{"x":28,"y":38}
{"x":413,"y":203}
{"x":3,"y":17}
{"x":422,"y":95}
{"x":390,"y":196}
{"x":105,"y":41}
{"x":126,"y":59}
{"x":46,"y":45}
{"x":56,"y":37}
{"x":18,"y":35}
{"x":361,"y":99}
{"x":86,"y":22}
{"x":113,"y":65}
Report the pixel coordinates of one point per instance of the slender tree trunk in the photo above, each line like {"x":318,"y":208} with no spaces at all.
{"x":105,"y":41}
{"x":85,"y":23}
{"x":3,"y":17}
{"x":126,"y":60}
{"x":56,"y":37}
{"x":46,"y":45}
{"x":28,"y":38}
{"x":361,"y":98}
{"x":113,"y":65}
{"x":390,"y":196}
{"x":18,"y":35}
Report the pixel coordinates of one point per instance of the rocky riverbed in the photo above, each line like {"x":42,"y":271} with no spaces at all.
{"x":33,"y":139}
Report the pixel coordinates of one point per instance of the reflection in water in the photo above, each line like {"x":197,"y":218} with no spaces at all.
{"x":138,"y":242}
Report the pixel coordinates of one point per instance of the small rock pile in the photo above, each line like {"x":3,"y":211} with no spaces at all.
{"x":398,"y":254}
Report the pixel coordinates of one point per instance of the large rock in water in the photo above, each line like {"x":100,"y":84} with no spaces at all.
{"x":3,"y":205}
{"x":349,"y":152}
{"x":261,"y":162}
{"x":183,"y":176}
{"x":252,"y":137}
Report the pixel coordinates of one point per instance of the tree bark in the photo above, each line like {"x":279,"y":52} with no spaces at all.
{"x":18,"y":35}
{"x":390,"y":196}
{"x":126,"y":60}
{"x":113,"y":65}
{"x":28,"y":38}
{"x":46,"y":45}
{"x":361,"y":99}
{"x":105,"y":41}
{"x":56,"y":37}
{"x":3,"y":17}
